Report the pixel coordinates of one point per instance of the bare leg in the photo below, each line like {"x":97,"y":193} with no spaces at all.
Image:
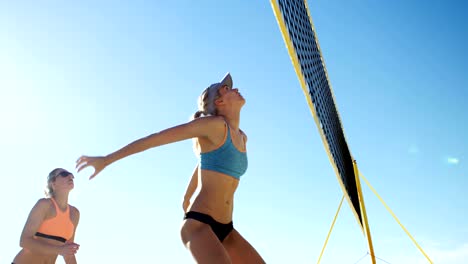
{"x":203,"y":243}
{"x":240,"y":251}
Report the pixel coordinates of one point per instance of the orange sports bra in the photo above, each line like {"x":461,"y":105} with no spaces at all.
{"x":59,"y":228}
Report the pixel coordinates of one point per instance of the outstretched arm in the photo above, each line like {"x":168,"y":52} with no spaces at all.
{"x":192,"y":186}
{"x":200,"y":127}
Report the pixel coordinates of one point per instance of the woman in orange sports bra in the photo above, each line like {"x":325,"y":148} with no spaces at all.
{"x":207,"y":231}
{"x":50,"y":228}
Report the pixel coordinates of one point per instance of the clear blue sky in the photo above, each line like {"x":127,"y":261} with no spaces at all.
{"x":89,"y":77}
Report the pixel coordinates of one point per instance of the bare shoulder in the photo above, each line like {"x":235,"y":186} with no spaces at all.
{"x":210,"y":124}
{"x":214,"y":129}
{"x":74,"y":214}
{"x":42,"y":208}
{"x":43,"y":204}
{"x":74,"y":210}
{"x":244,"y":135}
{"x":210,"y":120}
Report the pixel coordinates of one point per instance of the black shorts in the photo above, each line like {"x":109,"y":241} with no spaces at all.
{"x":220,"y":230}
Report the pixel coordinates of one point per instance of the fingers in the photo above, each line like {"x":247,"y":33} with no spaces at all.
{"x":86,"y":161}
{"x":81,"y":166}
{"x":73,"y":250}
{"x":76,"y":247}
{"x":81,"y":160}
{"x":93,"y":175}
{"x":82,"y":163}
{"x":73,"y":244}
{"x":70,"y":249}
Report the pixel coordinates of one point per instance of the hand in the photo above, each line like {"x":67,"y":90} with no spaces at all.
{"x":68,"y":249}
{"x":98,"y":163}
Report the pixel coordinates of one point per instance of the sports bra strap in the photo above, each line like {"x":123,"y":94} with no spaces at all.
{"x":57,"y":208}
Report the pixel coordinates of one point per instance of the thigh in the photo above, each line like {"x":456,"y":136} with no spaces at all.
{"x":204,"y":245}
{"x":240,"y":250}
{"x":26,"y":256}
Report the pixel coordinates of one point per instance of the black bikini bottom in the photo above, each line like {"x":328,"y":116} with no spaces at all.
{"x":220,"y":230}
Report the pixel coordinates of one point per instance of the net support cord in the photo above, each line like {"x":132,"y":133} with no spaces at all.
{"x":394,"y":216}
{"x":331,"y":228}
{"x":388,"y":209}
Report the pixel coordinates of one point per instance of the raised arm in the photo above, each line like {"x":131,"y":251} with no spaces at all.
{"x":35,"y":219}
{"x":200,"y":127}
{"x":192,"y":186}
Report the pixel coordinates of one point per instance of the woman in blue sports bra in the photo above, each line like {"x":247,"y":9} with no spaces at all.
{"x":207,"y":231}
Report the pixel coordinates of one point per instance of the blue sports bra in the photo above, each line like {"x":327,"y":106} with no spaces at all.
{"x":225,"y":159}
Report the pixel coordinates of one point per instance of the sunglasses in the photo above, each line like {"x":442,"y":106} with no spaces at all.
{"x":63,"y":174}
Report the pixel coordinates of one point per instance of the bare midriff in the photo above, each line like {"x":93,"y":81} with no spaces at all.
{"x":26,"y":256}
{"x":215,"y":196}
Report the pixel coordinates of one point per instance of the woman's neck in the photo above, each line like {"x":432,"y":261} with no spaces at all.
{"x":231,"y":115}
{"x":61,"y":199}
{"x":233,"y":120}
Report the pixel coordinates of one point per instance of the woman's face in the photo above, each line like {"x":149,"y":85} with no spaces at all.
{"x":231,"y":95}
{"x":63,"y":181}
